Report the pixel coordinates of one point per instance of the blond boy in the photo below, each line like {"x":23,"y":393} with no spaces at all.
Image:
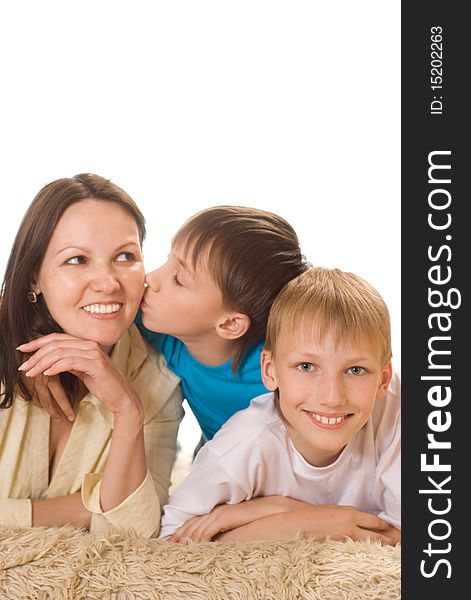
{"x":320,"y":454}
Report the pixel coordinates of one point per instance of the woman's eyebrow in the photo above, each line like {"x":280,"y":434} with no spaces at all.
{"x":72,"y":247}
{"x":75,"y":247}
{"x":126,"y":244}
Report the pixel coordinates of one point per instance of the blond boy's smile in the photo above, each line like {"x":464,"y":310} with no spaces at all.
{"x":327,"y":390}
{"x":327,"y":421}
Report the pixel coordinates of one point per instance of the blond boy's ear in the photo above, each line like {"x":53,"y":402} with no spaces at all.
{"x":268,"y":371}
{"x":386,"y":375}
{"x":234,"y":326}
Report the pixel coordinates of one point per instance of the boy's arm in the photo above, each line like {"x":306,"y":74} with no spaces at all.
{"x":318,"y":522}
{"x":207,"y":485}
{"x":226,"y":517}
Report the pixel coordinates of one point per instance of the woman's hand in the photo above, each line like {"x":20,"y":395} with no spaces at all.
{"x":59,"y":352}
{"x":125,"y":467}
{"x":48,"y":394}
{"x":225,"y":517}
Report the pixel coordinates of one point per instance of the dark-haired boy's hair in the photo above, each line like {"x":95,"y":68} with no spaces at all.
{"x":251,"y":255}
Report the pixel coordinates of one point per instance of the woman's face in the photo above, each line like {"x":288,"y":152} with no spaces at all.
{"x":92,"y":275}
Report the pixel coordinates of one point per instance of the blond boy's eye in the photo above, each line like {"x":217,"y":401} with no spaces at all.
{"x":305,"y":367}
{"x":357,"y":370}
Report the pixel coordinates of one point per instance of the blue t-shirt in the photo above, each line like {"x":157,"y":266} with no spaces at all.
{"x":213,"y":393}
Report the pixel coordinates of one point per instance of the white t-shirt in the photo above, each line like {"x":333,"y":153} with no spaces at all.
{"x":252,"y":455}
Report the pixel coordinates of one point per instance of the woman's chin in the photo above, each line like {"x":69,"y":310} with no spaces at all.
{"x":106,"y":343}
{"x":101,"y":329}
{"x":106,"y":340}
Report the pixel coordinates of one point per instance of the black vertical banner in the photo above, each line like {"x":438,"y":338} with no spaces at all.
{"x":436,"y":499}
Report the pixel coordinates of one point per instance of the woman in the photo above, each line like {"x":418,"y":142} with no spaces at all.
{"x":72,"y":287}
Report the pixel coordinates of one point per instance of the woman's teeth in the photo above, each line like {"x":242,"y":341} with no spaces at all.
{"x":102,"y":309}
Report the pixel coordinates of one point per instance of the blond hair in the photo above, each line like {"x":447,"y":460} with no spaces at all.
{"x":326,"y":300}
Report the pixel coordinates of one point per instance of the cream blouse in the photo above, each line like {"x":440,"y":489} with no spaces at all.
{"x":24,"y":448}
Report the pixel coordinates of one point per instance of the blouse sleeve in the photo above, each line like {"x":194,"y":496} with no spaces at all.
{"x":138,"y":509}
{"x":15,"y":513}
{"x":161,"y":397}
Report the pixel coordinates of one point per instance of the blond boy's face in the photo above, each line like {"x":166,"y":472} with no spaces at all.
{"x":327,"y":390}
{"x":181,"y":300}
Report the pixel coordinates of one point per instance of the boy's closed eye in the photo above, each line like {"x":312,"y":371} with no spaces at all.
{"x":177,"y":280}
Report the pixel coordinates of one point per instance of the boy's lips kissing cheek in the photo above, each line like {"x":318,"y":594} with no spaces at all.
{"x":146,"y":300}
{"x":326,"y":421}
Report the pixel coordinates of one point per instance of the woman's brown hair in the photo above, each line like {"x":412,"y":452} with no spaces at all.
{"x":20,"y":320}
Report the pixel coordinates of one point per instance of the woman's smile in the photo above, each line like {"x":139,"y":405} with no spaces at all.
{"x":101,"y":310}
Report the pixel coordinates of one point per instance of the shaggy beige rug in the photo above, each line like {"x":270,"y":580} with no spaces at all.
{"x":48,"y":563}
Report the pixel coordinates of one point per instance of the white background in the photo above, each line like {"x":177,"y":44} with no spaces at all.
{"x":291,"y":106}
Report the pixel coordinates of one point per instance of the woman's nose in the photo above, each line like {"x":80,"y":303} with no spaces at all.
{"x":105,"y":282}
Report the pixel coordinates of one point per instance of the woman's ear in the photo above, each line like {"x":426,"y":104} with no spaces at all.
{"x":233,"y":326}
{"x":34,"y":287}
{"x":386,"y":375}
{"x":268,"y":370}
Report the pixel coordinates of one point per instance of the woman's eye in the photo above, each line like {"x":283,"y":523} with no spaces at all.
{"x":305,"y":367}
{"x":357,"y":370}
{"x":125,"y":257}
{"x":77,"y":260}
